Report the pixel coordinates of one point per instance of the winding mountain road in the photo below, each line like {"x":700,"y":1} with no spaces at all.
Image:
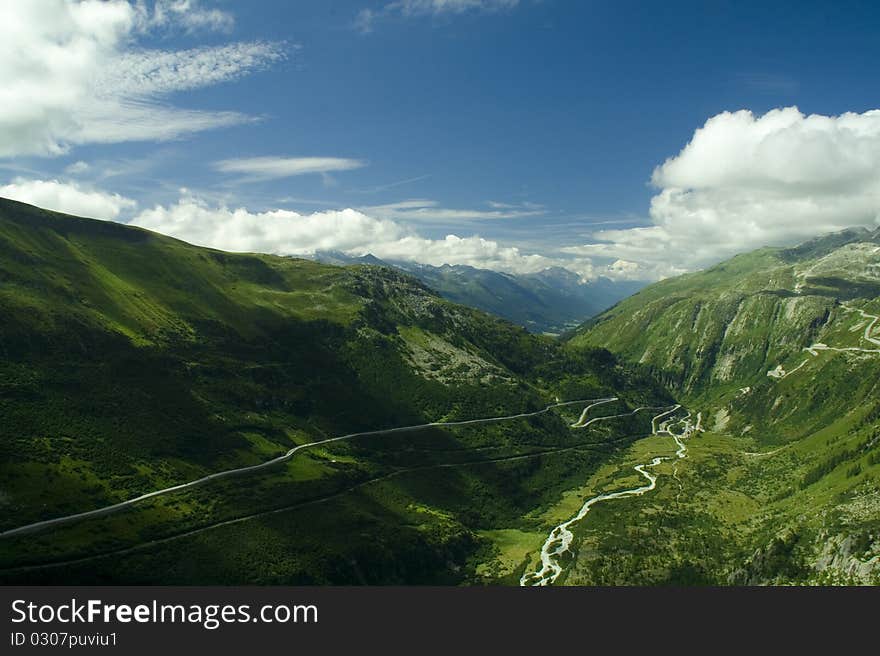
{"x":580,"y":422}
{"x":116,"y":507}
{"x":294,"y":506}
{"x":868,"y":335}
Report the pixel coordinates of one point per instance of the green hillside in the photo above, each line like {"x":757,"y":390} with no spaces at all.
{"x":131,"y":362}
{"x":784,"y":486}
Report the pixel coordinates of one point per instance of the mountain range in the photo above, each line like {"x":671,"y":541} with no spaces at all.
{"x":551,"y":301}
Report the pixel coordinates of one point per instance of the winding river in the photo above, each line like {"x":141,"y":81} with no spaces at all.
{"x":560,"y":538}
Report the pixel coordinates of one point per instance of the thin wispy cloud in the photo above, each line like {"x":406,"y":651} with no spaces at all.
{"x":275,"y":168}
{"x":77,"y":168}
{"x":514,"y":206}
{"x":431,"y":210}
{"x":769,"y":83}
{"x":591,"y":222}
{"x":189,"y":15}
{"x":298,"y":200}
{"x":73,"y":73}
{"x":392,"y":185}
{"x":366,"y":19}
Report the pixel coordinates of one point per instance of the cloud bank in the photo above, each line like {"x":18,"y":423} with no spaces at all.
{"x":71,"y":73}
{"x":747,"y":181}
{"x":286,"y":232}
{"x":69,"y":198}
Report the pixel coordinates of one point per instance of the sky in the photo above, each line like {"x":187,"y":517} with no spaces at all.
{"x":632,"y":140}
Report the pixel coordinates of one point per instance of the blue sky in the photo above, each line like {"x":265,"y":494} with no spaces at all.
{"x":536,"y":125}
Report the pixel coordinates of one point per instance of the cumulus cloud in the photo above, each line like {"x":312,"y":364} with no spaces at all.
{"x":69,"y":198}
{"x":71,"y":73}
{"x":366,"y":18}
{"x":272,"y":168}
{"x":276,"y":231}
{"x":473,"y":251}
{"x":286,"y":232}
{"x":747,"y":181}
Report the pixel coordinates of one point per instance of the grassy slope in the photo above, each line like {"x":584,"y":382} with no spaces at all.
{"x":130,"y":361}
{"x":808,"y":510}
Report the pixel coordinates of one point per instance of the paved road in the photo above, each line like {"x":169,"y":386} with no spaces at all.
{"x":301,"y":504}
{"x":116,"y":507}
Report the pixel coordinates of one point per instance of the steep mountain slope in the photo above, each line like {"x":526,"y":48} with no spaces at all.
{"x":780,"y":351}
{"x":131,"y":362}
{"x":549,"y":301}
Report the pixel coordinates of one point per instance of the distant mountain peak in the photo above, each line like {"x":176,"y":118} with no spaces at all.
{"x":550,"y":301}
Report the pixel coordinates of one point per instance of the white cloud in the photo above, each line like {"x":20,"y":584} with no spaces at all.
{"x":391,"y":185}
{"x":188,"y":14}
{"x":473,"y":251}
{"x":271,"y":168}
{"x":78,"y":167}
{"x":415,"y":7}
{"x":512,"y":206}
{"x":145,"y":74}
{"x":747,"y":181}
{"x":71,"y":73}
{"x":276,"y":231}
{"x":366,"y":18}
{"x":69,"y":198}
{"x":430,"y":210}
{"x":286,"y":232}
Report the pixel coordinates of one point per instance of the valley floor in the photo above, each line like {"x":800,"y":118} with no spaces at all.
{"x":81,"y":540}
{"x":698,"y":521}
{"x":684,"y":505}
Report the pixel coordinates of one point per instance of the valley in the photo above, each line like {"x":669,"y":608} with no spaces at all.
{"x":180,"y":415}
{"x":552,"y":301}
{"x":224,"y":395}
